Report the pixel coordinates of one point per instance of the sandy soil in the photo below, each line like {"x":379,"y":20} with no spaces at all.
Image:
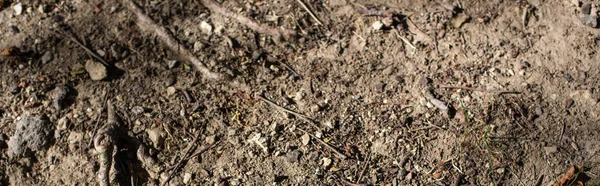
{"x":378,"y":100}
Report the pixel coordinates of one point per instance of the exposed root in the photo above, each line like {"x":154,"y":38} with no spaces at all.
{"x":171,"y":42}
{"x":277,"y":34}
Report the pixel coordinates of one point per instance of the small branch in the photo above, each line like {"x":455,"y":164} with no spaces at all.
{"x":301,"y":116}
{"x":184,"y":158}
{"x":478,"y":89}
{"x":310,"y":12}
{"x":278,"y":34}
{"x":403,"y":38}
{"x":170,"y":41}
{"x":88,"y":50}
{"x":333,"y":149}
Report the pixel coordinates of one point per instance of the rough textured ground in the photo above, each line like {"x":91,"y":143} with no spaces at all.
{"x":364,"y":87}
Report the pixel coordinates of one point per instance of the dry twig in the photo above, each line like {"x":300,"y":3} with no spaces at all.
{"x":478,"y":89}
{"x":170,"y":41}
{"x":301,"y":116}
{"x":88,"y":50}
{"x":185,"y":157}
{"x":333,"y":149}
{"x":278,"y":34}
{"x":310,"y":12}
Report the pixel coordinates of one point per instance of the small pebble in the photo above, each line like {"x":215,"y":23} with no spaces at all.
{"x":206,"y":28}
{"x":47,"y":57}
{"x":586,"y":9}
{"x":293,"y":156}
{"x":589,"y":20}
{"x":60,"y":94}
{"x":551,"y":150}
{"x":138,"y":110}
{"x":170,"y":81}
{"x":326,"y":162}
{"x":377,"y":25}
{"x":96,"y":70}
{"x":172,"y":63}
{"x":171,"y":91}
{"x":156,"y":136}
{"x":305,"y":139}
{"x":18,"y":8}
{"x":424,"y":81}
{"x":187,"y":177}
{"x":14,"y":90}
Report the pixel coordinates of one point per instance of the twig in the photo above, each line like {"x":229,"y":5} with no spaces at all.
{"x":310,"y":12}
{"x":171,"y":42}
{"x":205,"y":149}
{"x":478,"y":89}
{"x":301,"y":116}
{"x":290,"y":69}
{"x":277,"y":34}
{"x":403,"y":38}
{"x":364,"y":168}
{"x":334,"y":150}
{"x":88,"y":50}
{"x":184,"y":158}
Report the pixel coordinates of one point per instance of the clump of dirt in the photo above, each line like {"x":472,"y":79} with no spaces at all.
{"x":32,"y":134}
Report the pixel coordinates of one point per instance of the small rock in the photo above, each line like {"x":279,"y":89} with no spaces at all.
{"x":171,"y":91}
{"x":18,"y":8}
{"x":96,"y":70}
{"x":138,"y":110}
{"x":500,"y":170}
{"x":210,"y":139}
{"x":424,"y":81}
{"x":586,"y":9}
{"x":326,"y":162}
{"x":172,"y":63}
{"x":388,"y":71}
{"x":14,"y":90}
{"x":62,"y":123}
{"x":198,"y":46}
{"x":206,"y":28}
{"x":589,"y":20}
{"x":60,"y":94}
{"x":187,"y":177}
{"x":32,"y":134}
{"x":156,"y":136}
{"x":170,"y":81}
{"x":47,"y":57}
{"x":313,"y":155}
{"x":569,"y":103}
{"x":377,"y":25}
{"x":305,"y":139}
{"x":102,"y":53}
{"x":293,"y":156}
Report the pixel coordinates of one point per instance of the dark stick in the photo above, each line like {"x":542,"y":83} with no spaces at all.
{"x":183,"y":159}
{"x":88,"y":50}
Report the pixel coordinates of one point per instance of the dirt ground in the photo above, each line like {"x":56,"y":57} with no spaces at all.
{"x":374,"y":98}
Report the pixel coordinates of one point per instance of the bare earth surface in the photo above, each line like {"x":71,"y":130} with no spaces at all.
{"x":374,"y":98}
